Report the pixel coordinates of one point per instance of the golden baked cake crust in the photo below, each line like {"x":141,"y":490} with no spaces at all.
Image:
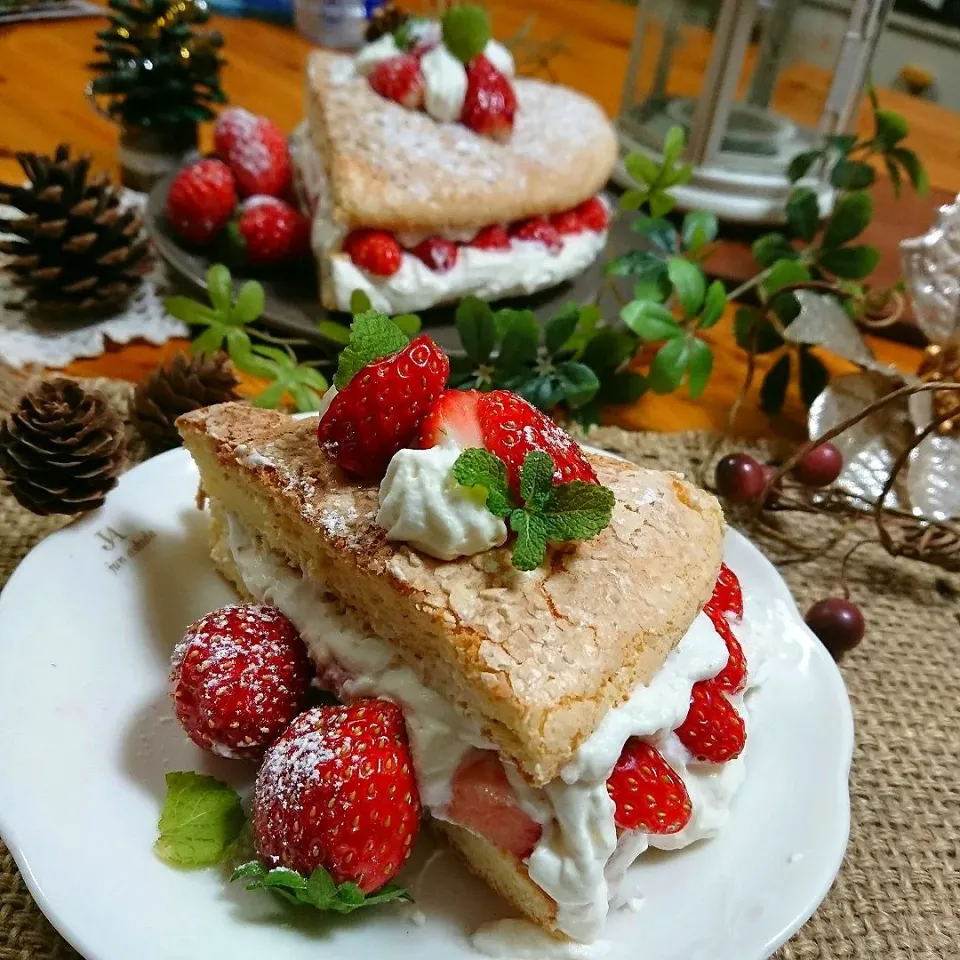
{"x":536,"y":658}
{"x":400,"y":170}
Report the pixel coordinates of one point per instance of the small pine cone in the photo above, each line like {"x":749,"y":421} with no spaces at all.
{"x":188,"y":383}
{"x":385,"y":20}
{"x":61,"y":449}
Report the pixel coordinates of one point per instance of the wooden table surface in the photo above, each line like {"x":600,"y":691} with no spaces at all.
{"x":43,"y":74}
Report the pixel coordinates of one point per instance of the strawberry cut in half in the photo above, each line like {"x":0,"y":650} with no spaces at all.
{"x":400,"y":79}
{"x":733,"y":677}
{"x":453,"y":419}
{"x":437,"y":253}
{"x":648,"y":794}
{"x":712,"y":731}
{"x":338,"y":791}
{"x":493,"y":237}
{"x":490,"y":104}
{"x":484,"y":802}
{"x":538,"y":230}
{"x":727,"y":596}
{"x":380,"y":410}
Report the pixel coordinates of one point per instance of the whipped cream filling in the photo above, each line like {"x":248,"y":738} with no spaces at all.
{"x":578,"y":860}
{"x":444,"y":84}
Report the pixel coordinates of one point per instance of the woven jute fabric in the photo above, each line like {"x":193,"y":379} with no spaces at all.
{"x":898,"y":894}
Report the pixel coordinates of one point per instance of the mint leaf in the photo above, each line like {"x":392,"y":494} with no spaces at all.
{"x":536,"y":479}
{"x":318,"y":890}
{"x":359,"y":302}
{"x":577,"y":511}
{"x":530,"y":550}
{"x":372,"y":337}
{"x":249,"y":305}
{"x":466,"y":30}
{"x":201,"y":817}
{"x":220,"y":288}
{"x":479,"y":468}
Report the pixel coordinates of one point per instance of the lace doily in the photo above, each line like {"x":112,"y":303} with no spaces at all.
{"x":28,"y":339}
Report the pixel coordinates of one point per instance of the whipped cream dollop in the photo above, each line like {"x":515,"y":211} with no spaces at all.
{"x":444,"y":84}
{"x":422,"y":504}
{"x":500,"y":57}
{"x":371,"y":55}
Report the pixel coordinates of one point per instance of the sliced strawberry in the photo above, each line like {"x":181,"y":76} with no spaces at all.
{"x":453,"y":418}
{"x":437,"y":253}
{"x":380,"y":410}
{"x":490,"y":104}
{"x":374,"y":251}
{"x":493,"y":237}
{"x":399,"y":79}
{"x":511,"y":428}
{"x":713,"y":731}
{"x":648,"y":793}
{"x":727,"y":596}
{"x":568,"y":222}
{"x":593,"y":214}
{"x":538,"y":230}
{"x":733,"y":677}
{"x":484,"y":802}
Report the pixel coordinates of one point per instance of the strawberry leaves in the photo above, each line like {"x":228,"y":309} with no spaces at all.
{"x":550,"y":512}
{"x":318,"y":890}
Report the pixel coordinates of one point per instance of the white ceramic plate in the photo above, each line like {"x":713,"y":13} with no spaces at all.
{"x":87,"y":624}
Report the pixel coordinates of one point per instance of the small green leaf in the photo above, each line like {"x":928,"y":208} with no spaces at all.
{"x":800,"y":165}
{"x":608,"y":349}
{"x":896,"y":178}
{"x":890,"y":129}
{"x":560,"y":327}
{"x":409,"y":324}
{"x":530,"y":549}
{"x":634,"y":199}
{"x":784,"y":273}
{"x":771,"y":247}
{"x":699,"y":228}
{"x":521,"y":338}
{"x":478,"y":332}
{"x":773,"y":390}
{"x":915,"y":169}
{"x":637,"y":263}
{"x":689,"y":282}
{"x":220,"y":288}
{"x":680,"y":176}
{"x":334,"y":332}
{"x":188,"y":310}
{"x":814,"y":377}
{"x":372,"y":337}
{"x":850,"y":263}
{"x":536,"y":479}
{"x":577,"y":511}
{"x":313,"y":379}
{"x":359,"y":302}
{"x":479,"y":468}
{"x":278,"y":356}
{"x":650,"y":321}
{"x":466,"y":30}
{"x":850,"y":218}
{"x":304,"y":398}
{"x":210,"y":341}
{"x":661,"y":233}
{"x":590,"y":316}
{"x":625,"y":386}
{"x":579,"y":383}
{"x":699,"y":368}
{"x":270,"y":398}
{"x":713,"y":305}
{"x":852,"y":175}
{"x":642,"y":168}
{"x":747,"y":323}
{"x":201,"y":817}
{"x":803,"y":213}
{"x":249,"y":305}
{"x":543,"y":391}
{"x":673,"y":144}
{"x":843,"y":142}
{"x":661,"y":204}
{"x":669,"y":366}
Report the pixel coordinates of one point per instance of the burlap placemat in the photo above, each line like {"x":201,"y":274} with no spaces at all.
{"x":898,"y":893}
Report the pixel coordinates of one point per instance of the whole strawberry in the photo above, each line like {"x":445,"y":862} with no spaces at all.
{"x":490,"y":104}
{"x":255,"y":149}
{"x":201,"y":201}
{"x":538,"y":230}
{"x":238,"y":677}
{"x":374,"y":251}
{"x":712,"y":731}
{"x":379,"y":411}
{"x":648,"y":794}
{"x":400,"y":79}
{"x":338,"y":791}
{"x":271,"y":231}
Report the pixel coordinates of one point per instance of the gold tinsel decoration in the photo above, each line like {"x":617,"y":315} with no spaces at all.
{"x":941,"y":364}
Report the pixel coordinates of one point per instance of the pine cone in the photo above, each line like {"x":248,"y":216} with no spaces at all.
{"x":61,"y":449}
{"x":188,"y":383}
{"x":385,"y":20}
{"x":75,"y":250}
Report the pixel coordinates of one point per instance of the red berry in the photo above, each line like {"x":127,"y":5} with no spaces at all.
{"x":538,"y":230}
{"x":201,"y":200}
{"x":233,"y":124}
{"x":238,"y":677}
{"x":375,"y":251}
{"x":399,"y":79}
{"x":511,"y":428}
{"x":647,"y":793}
{"x":733,"y":677}
{"x":727,"y":596}
{"x":380,"y":410}
{"x":484,"y":802}
{"x":594,"y":214}
{"x":258,"y":155}
{"x":838,"y":623}
{"x":490,"y":104}
{"x":739,"y":478}
{"x":568,"y":222}
{"x":491,"y":238}
{"x":271,"y":231}
{"x":713,"y":731}
{"x":437,"y":253}
{"x":820,"y":466}
{"x":454,"y":417}
{"x":338,"y":791}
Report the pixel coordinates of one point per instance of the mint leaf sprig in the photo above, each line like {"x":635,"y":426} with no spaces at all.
{"x":318,"y":890}
{"x":550,"y":512}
